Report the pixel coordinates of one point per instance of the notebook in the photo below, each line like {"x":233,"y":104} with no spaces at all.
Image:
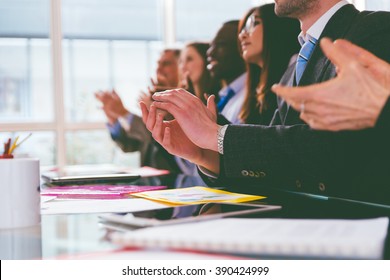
{"x":280,"y":238}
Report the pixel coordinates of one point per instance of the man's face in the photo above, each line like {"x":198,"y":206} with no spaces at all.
{"x":167,"y":69}
{"x":294,"y":8}
{"x":223,"y":55}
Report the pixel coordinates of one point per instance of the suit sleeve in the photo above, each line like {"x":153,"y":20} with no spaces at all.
{"x":137,"y":138}
{"x":383,"y":122}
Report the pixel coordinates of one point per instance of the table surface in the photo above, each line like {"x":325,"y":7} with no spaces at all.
{"x":64,"y":236}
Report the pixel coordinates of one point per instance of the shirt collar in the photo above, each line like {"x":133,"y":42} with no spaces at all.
{"x":237,"y":85}
{"x":316,"y":29}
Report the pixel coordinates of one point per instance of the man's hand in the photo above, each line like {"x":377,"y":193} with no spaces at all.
{"x":171,"y":137}
{"x":196,"y":120}
{"x":112,"y":105}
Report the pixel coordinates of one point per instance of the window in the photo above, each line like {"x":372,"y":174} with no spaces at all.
{"x":374,"y":5}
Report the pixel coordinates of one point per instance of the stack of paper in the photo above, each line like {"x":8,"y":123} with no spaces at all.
{"x":335,"y":239}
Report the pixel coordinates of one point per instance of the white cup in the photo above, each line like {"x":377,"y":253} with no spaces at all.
{"x":19,"y":193}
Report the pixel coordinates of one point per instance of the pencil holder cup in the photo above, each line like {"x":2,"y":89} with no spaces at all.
{"x":19,"y":193}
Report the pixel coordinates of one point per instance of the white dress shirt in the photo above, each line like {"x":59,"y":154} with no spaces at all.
{"x":234,"y":105}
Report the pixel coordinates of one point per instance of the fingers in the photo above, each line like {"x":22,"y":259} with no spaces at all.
{"x":364,"y":57}
{"x":145,"y":112}
{"x":309,"y":95}
{"x":162,"y":88}
{"x":153,"y":124}
{"x":178,"y":97}
{"x":337,"y":55}
{"x":151,"y":120}
{"x":167,"y":107}
{"x":103,"y":96}
{"x":98,"y":96}
{"x":293,"y":93}
{"x":211,"y":104}
{"x":332,"y":122}
{"x":157,"y":131}
{"x":166,"y":142}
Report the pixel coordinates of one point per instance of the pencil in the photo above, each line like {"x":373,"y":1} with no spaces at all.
{"x":6,"y":146}
{"x":28,"y":136}
{"x":13,"y":145}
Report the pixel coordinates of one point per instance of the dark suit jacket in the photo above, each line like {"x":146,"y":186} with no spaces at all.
{"x":384,"y":118}
{"x":289,"y":155}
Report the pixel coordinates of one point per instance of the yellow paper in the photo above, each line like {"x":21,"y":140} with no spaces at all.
{"x":196,"y":195}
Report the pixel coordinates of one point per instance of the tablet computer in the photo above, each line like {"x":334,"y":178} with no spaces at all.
{"x":56,"y":179}
{"x":182,"y":214}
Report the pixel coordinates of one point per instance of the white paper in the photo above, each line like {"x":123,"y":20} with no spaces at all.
{"x":78,"y":206}
{"x":46,"y":198}
{"x":350,"y":239}
{"x":137,"y":254}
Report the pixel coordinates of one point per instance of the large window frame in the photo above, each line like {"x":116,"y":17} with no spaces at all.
{"x":60,"y":126}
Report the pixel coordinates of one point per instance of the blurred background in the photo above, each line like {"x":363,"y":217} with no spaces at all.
{"x":54,"y":54}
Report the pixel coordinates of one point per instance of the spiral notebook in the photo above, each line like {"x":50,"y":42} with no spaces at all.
{"x":274,"y":238}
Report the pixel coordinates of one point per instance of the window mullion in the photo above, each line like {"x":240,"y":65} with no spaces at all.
{"x":58,"y":88}
{"x":169,"y":22}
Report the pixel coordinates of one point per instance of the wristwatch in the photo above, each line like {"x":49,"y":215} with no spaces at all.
{"x":220,"y":137}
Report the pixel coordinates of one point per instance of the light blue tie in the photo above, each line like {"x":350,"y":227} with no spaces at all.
{"x":303,"y":57}
{"x":224,"y":100}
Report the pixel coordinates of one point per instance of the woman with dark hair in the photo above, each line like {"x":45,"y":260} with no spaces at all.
{"x":267,"y":44}
{"x":195,"y":76}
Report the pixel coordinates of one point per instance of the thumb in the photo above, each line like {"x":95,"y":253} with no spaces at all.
{"x":211,"y":105}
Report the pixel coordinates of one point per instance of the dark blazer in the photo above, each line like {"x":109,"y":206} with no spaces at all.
{"x":289,"y":155}
{"x":383,"y":122}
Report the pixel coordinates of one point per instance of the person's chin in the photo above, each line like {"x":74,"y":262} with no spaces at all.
{"x":213,"y":69}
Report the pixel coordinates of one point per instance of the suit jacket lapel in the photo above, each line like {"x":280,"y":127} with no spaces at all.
{"x":287,"y":80}
{"x":337,"y":27}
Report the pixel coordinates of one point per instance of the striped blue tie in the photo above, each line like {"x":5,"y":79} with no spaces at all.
{"x":303,"y":58}
{"x":224,"y":100}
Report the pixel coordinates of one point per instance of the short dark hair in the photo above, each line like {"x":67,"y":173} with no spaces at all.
{"x":175,"y":51}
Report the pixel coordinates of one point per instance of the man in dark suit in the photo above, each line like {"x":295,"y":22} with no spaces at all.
{"x":358,"y":98}
{"x":288,"y":154}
